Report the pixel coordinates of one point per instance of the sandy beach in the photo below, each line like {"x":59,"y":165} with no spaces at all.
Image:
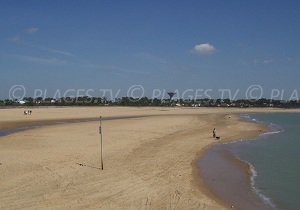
{"x":149,"y":161}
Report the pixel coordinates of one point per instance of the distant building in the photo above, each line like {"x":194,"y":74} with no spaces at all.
{"x":22,"y":102}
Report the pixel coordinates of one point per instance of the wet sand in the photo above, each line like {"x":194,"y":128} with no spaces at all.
{"x":230,"y":179}
{"x":11,"y":128}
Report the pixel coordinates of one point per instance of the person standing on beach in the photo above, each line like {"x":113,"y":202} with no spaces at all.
{"x":214,"y":132}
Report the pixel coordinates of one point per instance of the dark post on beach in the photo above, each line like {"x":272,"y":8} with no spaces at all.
{"x":101,"y":146}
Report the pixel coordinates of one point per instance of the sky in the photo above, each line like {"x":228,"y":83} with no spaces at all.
{"x":166,"y":45}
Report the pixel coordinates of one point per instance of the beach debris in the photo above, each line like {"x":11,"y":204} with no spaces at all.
{"x":232,"y":206}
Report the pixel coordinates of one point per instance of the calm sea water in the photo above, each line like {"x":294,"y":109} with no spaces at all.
{"x":275,"y":157}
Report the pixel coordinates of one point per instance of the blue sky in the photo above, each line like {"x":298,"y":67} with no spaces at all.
{"x":172,"y":45}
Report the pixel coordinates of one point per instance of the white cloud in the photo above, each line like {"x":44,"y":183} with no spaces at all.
{"x":56,"y":51}
{"x":40,"y":60}
{"x":265,"y":61}
{"x":120,"y":70}
{"x":18,"y":40}
{"x":31,"y":30}
{"x":268,"y":61}
{"x":15,"y":39}
{"x":50,"y":50}
{"x":150,"y":57}
{"x":204,"y":49}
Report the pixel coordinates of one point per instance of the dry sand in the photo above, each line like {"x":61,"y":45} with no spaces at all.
{"x":149,"y":162}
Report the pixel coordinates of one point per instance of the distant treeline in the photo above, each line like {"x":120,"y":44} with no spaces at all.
{"x":128,"y":101}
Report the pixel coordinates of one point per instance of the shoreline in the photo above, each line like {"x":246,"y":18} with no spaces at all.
{"x":236,"y":169}
{"x":199,"y":179}
{"x":157,"y":157}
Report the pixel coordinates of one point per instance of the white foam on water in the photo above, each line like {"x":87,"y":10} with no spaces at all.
{"x":270,"y":133}
{"x":245,"y":116}
{"x":235,"y":141}
{"x":264,"y":198}
{"x":272,"y":129}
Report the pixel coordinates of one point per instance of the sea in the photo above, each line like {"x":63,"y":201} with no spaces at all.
{"x":273,"y":159}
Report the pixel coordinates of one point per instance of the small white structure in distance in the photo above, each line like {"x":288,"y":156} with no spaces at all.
{"x":21,"y":102}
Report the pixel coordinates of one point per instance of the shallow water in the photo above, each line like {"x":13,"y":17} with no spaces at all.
{"x":228,"y":178}
{"x":274,"y":159}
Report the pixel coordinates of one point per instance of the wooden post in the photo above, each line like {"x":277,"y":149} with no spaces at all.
{"x":101,"y":144}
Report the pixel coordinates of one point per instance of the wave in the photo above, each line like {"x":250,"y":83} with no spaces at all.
{"x":272,"y":130}
{"x":264,"y":198}
{"x":272,"y":127}
{"x":245,"y":116}
{"x":270,"y":133}
{"x":235,"y":141}
{"x":253,"y":174}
